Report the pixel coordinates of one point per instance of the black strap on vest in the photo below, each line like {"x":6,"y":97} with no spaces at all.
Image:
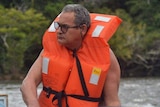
{"x":85,"y":98}
{"x":86,"y":93}
{"x":59,"y":95}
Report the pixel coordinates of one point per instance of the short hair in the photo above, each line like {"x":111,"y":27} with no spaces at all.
{"x":81,"y":14}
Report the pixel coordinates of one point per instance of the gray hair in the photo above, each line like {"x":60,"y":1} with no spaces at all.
{"x":81,"y":14}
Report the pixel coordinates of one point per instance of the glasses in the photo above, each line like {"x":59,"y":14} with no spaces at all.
{"x":64,"y":27}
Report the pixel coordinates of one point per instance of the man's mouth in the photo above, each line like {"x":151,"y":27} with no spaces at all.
{"x":60,"y":37}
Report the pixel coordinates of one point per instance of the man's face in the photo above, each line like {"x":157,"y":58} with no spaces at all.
{"x":70,"y":37}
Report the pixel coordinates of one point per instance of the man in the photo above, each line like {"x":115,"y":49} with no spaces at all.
{"x":73,"y":67}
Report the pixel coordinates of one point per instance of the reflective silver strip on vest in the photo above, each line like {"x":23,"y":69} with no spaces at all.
{"x":45,"y":64}
{"x":97,"y":31}
{"x":52,"y":28}
{"x":102,"y":18}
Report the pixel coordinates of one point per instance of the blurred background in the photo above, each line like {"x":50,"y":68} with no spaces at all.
{"x":136,"y":43}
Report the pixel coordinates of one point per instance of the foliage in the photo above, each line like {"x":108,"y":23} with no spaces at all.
{"x":18,"y":30}
{"x":150,"y":11}
{"x":51,"y":12}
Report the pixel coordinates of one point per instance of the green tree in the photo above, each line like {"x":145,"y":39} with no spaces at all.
{"x":18,"y":30}
{"x":146,"y":11}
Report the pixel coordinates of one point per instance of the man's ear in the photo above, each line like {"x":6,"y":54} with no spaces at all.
{"x":83,"y":29}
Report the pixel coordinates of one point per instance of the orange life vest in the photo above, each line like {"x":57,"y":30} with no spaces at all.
{"x":64,"y":84}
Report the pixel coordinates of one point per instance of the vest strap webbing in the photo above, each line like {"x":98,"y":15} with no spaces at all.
{"x":62,"y":94}
{"x":85,"y":98}
{"x":57,"y":95}
{"x":85,"y":90}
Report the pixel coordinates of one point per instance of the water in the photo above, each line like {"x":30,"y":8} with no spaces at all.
{"x":144,"y":92}
{"x":140,"y":92}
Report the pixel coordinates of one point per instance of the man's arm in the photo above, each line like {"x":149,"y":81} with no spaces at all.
{"x":111,"y":86}
{"x":31,"y":82}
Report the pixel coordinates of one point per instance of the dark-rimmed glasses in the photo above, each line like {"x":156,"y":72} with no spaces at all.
{"x":64,"y":27}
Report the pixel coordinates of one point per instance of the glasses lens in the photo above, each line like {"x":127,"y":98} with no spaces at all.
{"x":64,"y":28}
